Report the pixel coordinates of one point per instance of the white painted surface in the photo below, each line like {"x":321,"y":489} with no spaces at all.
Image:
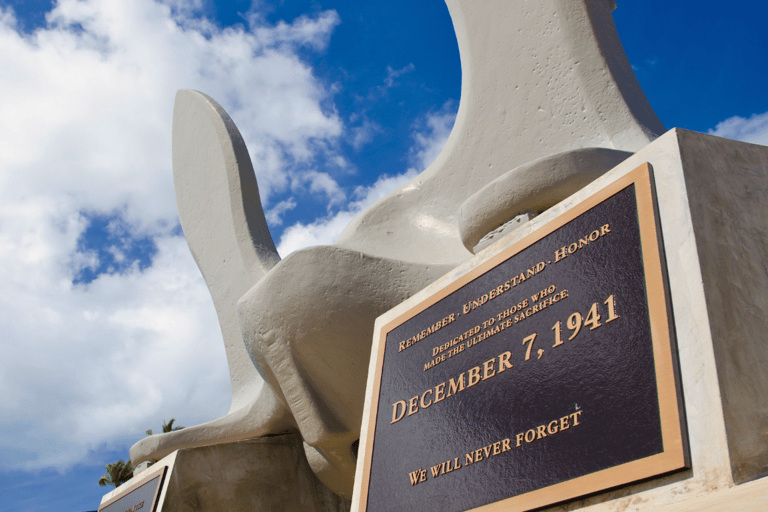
{"x":538,"y":79}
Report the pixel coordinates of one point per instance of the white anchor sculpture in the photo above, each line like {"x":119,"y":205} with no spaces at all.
{"x":549,"y":102}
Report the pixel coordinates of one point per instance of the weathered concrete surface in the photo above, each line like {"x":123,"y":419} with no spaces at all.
{"x":727,"y":184}
{"x":713,"y":206}
{"x":221,"y":215}
{"x":315,"y":335}
{"x":539,"y":79}
{"x":269,"y":474}
{"x":750,"y":497}
{"x":532,"y":187}
{"x":225,"y":228}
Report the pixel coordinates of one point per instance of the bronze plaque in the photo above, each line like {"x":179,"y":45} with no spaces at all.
{"x":545,"y":373}
{"x":142,"y":495}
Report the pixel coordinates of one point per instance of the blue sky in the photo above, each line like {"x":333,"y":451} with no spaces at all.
{"x":108,"y":328}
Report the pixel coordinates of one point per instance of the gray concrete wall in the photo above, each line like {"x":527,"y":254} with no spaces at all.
{"x":727,"y":184}
{"x":269,"y":474}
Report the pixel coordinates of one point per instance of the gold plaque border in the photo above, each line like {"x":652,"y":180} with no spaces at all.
{"x":153,"y":473}
{"x":674,"y":455}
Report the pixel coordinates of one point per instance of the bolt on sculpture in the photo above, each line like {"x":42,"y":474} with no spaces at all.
{"x":549,"y":102}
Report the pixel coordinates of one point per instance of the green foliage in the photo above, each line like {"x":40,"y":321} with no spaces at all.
{"x":117,"y":473}
{"x":168,"y":427}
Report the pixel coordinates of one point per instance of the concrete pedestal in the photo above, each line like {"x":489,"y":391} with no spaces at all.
{"x":269,"y":474}
{"x":712,"y":197}
{"x":713,"y":204}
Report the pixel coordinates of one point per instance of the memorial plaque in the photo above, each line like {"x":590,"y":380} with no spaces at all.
{"x":545,"y":373}
{"x":143,"y":495}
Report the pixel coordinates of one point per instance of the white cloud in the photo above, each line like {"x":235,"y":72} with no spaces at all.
{"x":392,"y":74}
{"x":95,"y":364}
{"x":363,"y":134}
{"x":321,"y":182}
{"x":429,"y":140}
{"x":302,"y":31}
{"x":325,"y":231}
{"x":85,"y":130}
{"x":92,"y":108}
{"x":320,"y":232}
{"x":275,"y":214}
{"x":753,"y":129}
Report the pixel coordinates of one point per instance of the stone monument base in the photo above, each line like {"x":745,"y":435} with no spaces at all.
{"x":749,"y":497}
{"x":712,"y":209}
{"x":269,"y":474}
